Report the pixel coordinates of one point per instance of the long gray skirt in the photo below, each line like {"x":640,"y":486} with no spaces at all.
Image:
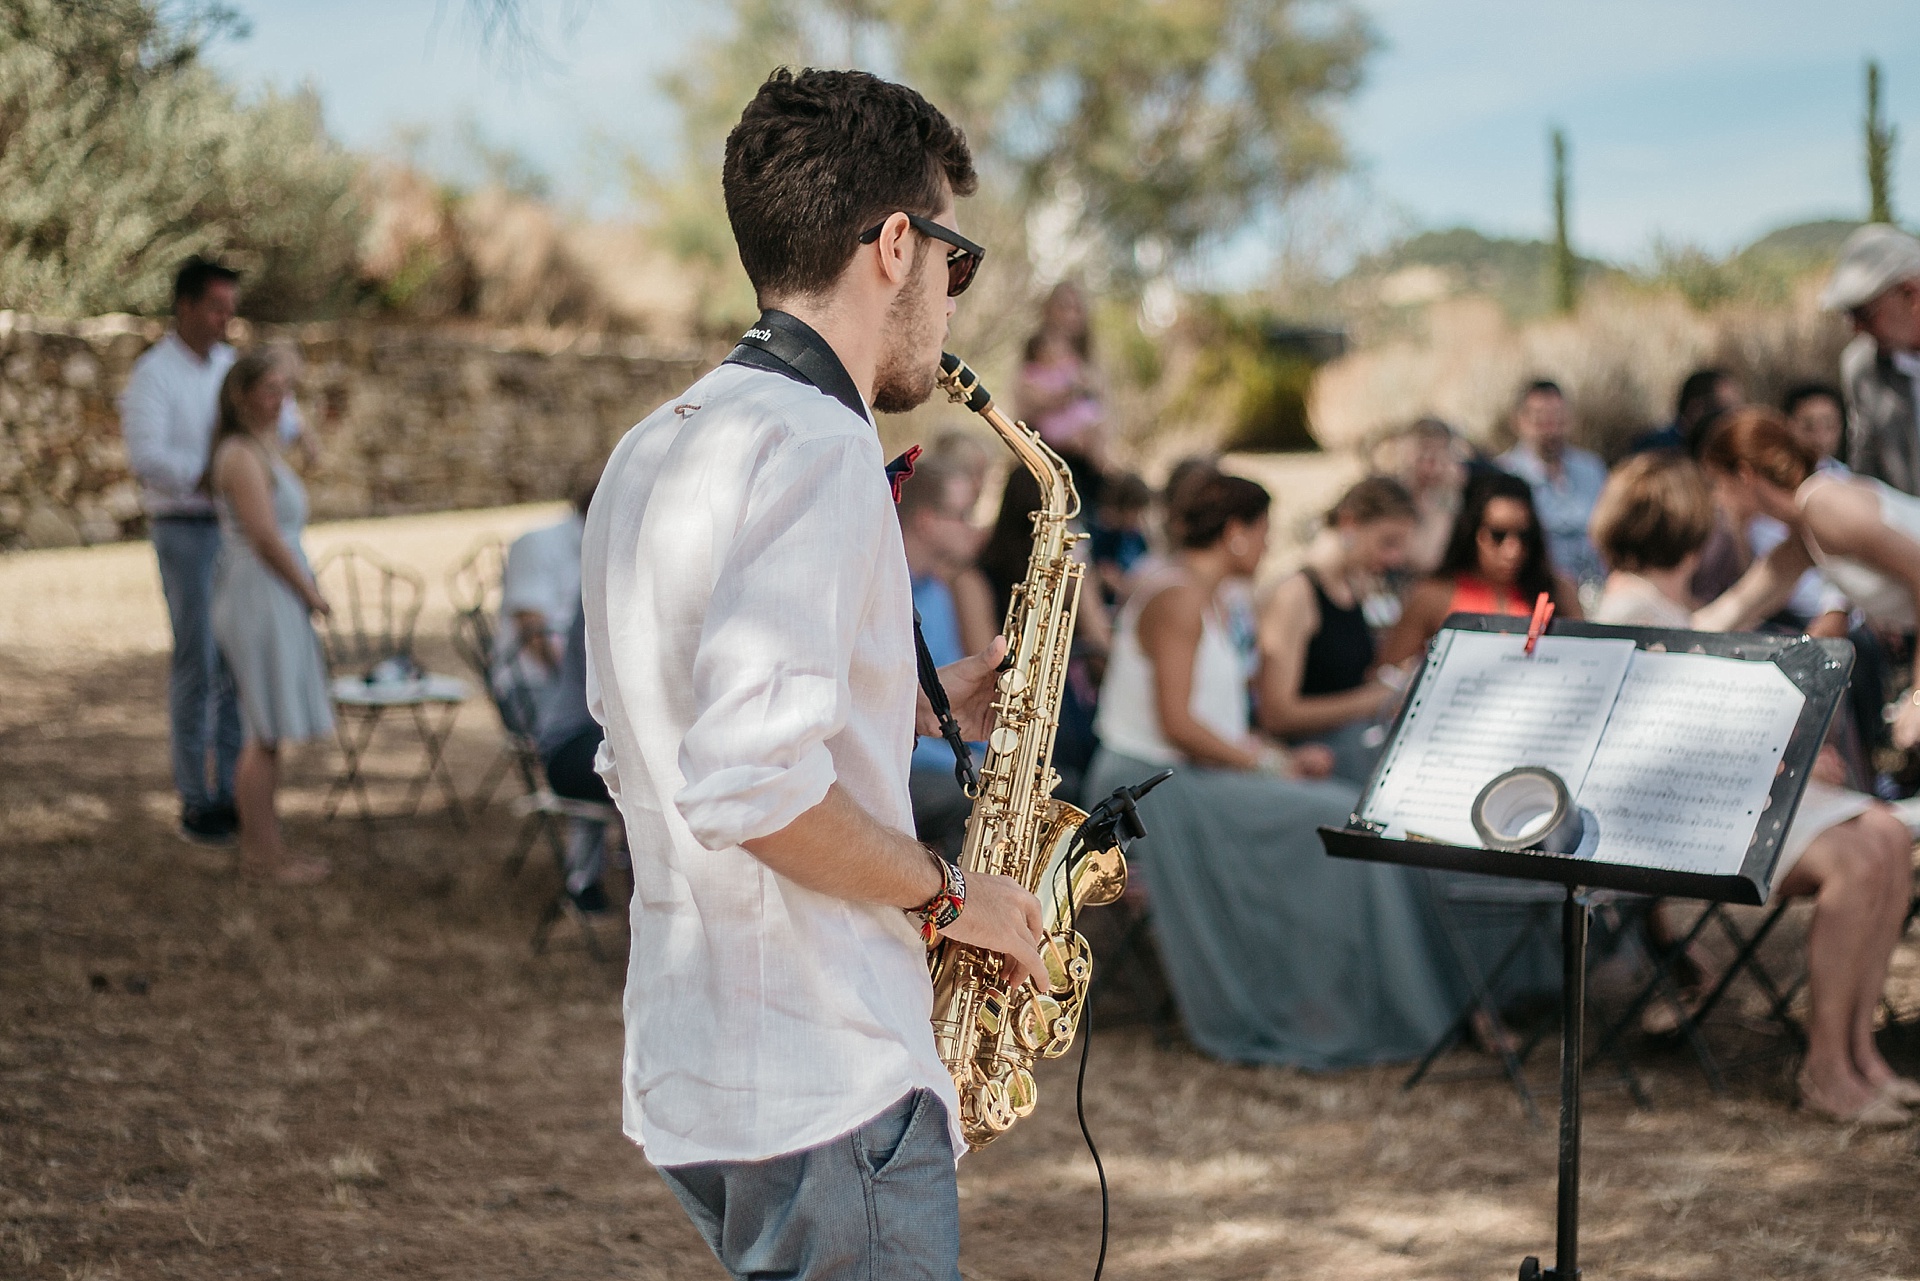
{"x":1277,"y":953}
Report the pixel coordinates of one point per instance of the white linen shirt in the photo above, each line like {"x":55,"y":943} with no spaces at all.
{"x":749,"y":623}
{"x":167,"y":413}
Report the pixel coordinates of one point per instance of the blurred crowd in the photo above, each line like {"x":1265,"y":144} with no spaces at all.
{"x":1271,"y":695}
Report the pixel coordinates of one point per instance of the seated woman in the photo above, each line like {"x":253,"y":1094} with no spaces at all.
{"x":1275,"y":952}
{"x":1317,"y":670}
{"x":1496,"y":563}
{"x":1845,"y":850}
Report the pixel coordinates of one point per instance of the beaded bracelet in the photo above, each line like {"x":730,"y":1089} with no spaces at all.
{"x":944,"y":908}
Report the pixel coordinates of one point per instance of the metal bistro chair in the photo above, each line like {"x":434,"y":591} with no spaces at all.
{"x":474,"y":587}
{"x":514,"y":705}
{"x":369,"y":644}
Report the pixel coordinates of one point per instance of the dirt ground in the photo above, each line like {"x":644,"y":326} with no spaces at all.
{"x":201,"y":1078}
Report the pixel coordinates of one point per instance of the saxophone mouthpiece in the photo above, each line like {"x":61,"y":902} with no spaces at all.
{"x":962,"y":384}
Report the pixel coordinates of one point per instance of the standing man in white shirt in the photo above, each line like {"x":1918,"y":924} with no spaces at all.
{"x":1877,"y":283}
{"x":750,"y":653}
{"x":167,"y":413}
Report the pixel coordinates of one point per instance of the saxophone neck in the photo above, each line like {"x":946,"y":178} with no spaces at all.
{"x":1058,"y":497}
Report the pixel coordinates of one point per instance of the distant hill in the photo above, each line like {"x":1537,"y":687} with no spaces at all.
{"x":1447,"y":263}
{"x":1815,"y":242}
{"x":1515,"y":272}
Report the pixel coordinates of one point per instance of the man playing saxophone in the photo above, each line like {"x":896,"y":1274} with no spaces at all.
{"x":751,"y":656}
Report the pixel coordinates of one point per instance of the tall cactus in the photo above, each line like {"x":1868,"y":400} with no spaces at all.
{"x":1566,"y":278}
{"x":1881,"y":137}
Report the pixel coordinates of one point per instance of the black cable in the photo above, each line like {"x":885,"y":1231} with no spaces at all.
{"x":1080,"y":1109}
{"x":1080,"y":1085}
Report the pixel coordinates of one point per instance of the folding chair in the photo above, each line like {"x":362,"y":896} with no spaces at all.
{"x":369,"y":645}
{"x":548,"y":808}
{"x":1529,"y":914}
{"x":1662,"y":985}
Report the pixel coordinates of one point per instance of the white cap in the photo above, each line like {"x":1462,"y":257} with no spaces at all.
{"x":1874,"y":259}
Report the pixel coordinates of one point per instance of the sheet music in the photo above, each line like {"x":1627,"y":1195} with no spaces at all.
{"x":1484,"y":707}
{"x":1683,"y":773}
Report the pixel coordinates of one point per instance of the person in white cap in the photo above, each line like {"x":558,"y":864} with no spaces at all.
{"x":1877,"y":283}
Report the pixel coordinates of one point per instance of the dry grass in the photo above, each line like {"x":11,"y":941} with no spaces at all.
{"x":1621,"y":360}
{"x":201,"y":1078}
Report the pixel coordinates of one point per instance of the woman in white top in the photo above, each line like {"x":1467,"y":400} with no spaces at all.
{"x":1275,"y":952}
{"x":1845,"y":850}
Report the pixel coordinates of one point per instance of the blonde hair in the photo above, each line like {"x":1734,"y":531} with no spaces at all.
{"x":1655,"y":511}
{"x":245,"y":375}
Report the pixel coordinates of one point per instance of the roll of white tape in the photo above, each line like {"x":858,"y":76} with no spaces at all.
{"x":1527,"y":809}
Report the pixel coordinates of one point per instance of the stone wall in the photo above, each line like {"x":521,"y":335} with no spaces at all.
{"x":406,"y":419}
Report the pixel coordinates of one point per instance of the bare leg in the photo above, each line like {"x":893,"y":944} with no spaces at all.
{"x":1883,"y":838}
{"x":255,"y":779}
{"x":1847,"y":888}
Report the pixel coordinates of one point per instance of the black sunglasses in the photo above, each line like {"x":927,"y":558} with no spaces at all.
{"x":962,"y":260}
{"x":1500,"y":536}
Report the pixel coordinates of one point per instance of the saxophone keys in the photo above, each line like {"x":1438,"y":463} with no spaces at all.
{"x":1013,"y":681}
{"x":994,"y":1109}
{"x":992,"y":1015}
{"x":1058,"y":957}
{"x":1034,"y":1026}
{"x":1022,"y":1093}
{"x":1004,"y":739}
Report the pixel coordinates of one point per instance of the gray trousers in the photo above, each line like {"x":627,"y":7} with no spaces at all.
{"x":203,"y":707}
{"x":876,"y":1204}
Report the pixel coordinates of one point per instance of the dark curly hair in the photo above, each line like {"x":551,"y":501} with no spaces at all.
{"x":819,"y":157}
{"x":1463,"y":545}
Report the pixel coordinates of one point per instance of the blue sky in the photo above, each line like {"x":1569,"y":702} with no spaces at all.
{"x":1702,"y":121}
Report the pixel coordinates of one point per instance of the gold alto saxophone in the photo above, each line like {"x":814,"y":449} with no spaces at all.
{"x":989,"y":1038}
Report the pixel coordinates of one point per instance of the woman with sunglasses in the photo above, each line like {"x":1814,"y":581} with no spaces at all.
{"x":1496,"y":563}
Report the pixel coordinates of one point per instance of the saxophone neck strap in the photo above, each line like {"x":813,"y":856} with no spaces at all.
{"x":964,"y":772}
{"x":790,"y":347}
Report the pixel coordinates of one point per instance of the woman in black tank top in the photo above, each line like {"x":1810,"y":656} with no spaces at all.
{"x":1316,"y":647}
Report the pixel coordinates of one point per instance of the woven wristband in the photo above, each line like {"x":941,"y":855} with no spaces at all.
{"x":944,"y":908}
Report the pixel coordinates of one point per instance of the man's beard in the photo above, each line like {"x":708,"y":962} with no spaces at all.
{"x":900,"y":381}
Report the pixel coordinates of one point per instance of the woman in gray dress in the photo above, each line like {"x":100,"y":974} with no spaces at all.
{"x":1275,"y":952}
{"x":263,"y":595}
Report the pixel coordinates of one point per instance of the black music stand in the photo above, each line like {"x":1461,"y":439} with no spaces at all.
{"x":1818,"y":668}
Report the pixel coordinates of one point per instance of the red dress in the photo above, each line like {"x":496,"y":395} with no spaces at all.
{"x":1473,"y":594}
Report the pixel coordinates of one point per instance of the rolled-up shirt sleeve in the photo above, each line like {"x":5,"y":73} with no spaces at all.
{"x":770,"y":681}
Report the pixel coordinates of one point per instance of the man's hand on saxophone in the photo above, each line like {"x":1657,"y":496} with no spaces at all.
{"x":837,"y":848}
{"x":970,"y":688}
{"x":1003,"y":918}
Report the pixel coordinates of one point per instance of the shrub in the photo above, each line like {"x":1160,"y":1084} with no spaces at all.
{"x":121,"y":153}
